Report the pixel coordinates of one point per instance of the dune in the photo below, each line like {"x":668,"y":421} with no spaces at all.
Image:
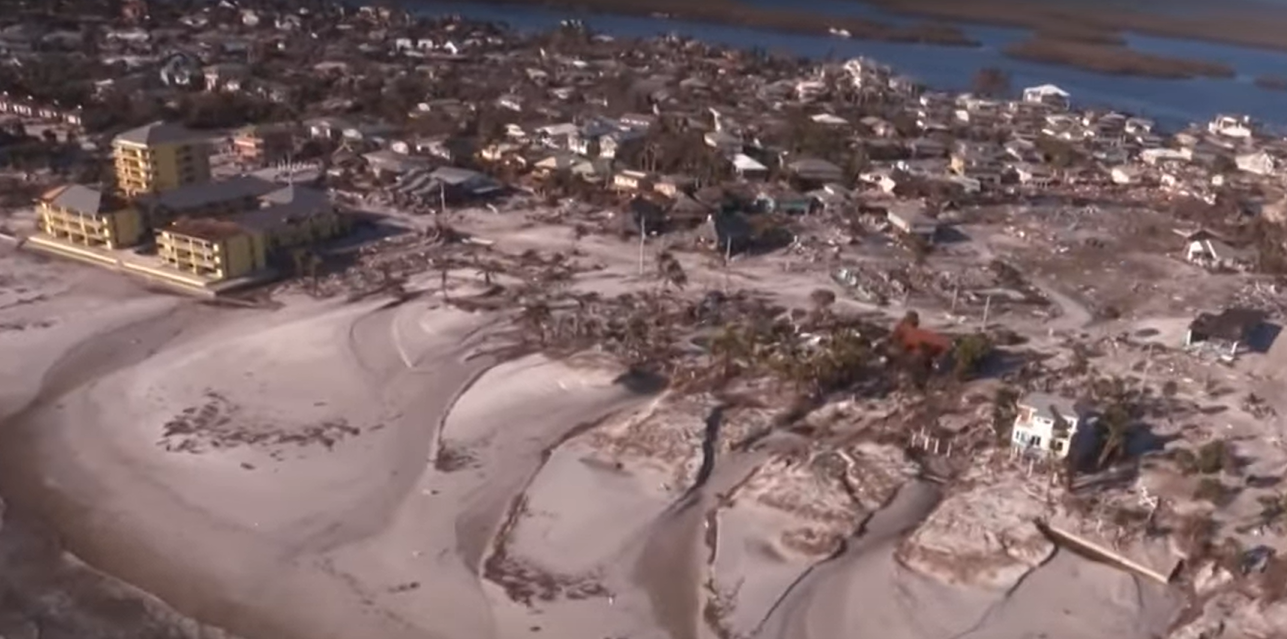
{"x":399,"y":469}
{"x":274,"y":470}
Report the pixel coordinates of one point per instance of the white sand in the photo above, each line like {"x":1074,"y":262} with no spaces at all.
{"x":313,"y":535}
{"x":752,"y":566}
{"x":983,"y":536}
{"x":307,"y":503}
{"x":579,"y":535}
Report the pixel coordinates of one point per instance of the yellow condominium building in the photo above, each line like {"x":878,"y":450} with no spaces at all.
{"x":219,"y":248}
{"x":211,"y":248}
{"x":158,"y":157}
{"x":83,"y":216}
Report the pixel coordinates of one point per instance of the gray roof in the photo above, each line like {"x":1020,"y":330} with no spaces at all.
{"x":395,"y":162}
{"x":455,"y":176}
{"x":272,"y":217}
{"x":1045,"y":405}
{"x":910,"y":213}
{"x":81,"y":199}
{"x":815,"y":165}
{"x":159,"y":133}
{"x":195,"y":196}
{"x":296,"y":195}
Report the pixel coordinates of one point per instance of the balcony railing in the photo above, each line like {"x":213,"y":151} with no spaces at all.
{"x":75,"y":219}
{"x":203,"y":259}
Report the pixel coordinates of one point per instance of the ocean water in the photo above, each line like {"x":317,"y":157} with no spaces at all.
{"x":1171,"y":102}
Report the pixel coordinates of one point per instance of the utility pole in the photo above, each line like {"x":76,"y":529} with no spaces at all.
{"x":987,"y":308}
{"x":728,"y":260}
{"x":643,"y":235}
{"x":956,"y":293}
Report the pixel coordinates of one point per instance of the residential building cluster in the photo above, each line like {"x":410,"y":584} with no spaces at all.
{"x":167,"y":218}
{"x":427,"y":114}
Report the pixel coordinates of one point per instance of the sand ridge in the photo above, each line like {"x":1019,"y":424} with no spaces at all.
{"x":398,"y":468}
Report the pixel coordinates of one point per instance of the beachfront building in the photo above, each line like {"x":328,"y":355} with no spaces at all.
{"x":248,"y":242}
{"x":159,"y":157}
{"x":1047,"y":94}
{"x":1046,"y":424}
{"x":1231,"y":126}
{"x":83,"y":216}
{"x":210,"y":248}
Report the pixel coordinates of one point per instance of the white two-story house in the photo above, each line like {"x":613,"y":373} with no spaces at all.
{"x":1046,"y":424}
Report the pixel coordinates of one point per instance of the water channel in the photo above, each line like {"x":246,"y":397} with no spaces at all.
{"x":1172,"y":102}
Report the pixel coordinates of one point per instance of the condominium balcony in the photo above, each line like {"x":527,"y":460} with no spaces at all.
{"x":184,"y":250}
{"x":183,"y":257}
{"x":73,"y":219}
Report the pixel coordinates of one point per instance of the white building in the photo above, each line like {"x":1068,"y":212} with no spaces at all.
{"x":1153,"y":157}
{"x":827,"y":119}
{"x":1231,"y":126}
{"x":1260,"y":163}
{"x":748,"y":167}
{"x":1046,"y":424}
{"x":629,"y":180}
{"x":1125,"y":175}
{"x":1047,"y":94}
{"x":1205,"y":249}
{"x":910,"y":219}
{"x":1033,"y":174}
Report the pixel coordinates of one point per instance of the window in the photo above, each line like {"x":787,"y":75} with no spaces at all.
{"x":1024,"y":438}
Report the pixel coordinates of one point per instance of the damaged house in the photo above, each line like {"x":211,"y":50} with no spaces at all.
{"x":1209,"y":251}
{"x":1230,"y":332}
{"x":1046,"y":424}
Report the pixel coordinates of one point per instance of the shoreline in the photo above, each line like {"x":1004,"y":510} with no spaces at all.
{"x":1086,"y":46}
{"x":730,"y":13}
{"x":1250,"y":26}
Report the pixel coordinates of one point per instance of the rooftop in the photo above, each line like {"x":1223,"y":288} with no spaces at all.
{"x":1232,"y":324}
{"x":206,"y":228}
{"x":454,"y":176}
{"x":1046,"y":405}
{"x":195,"y":196}
{"x":81,"y":199}
{"x":158,"y":133}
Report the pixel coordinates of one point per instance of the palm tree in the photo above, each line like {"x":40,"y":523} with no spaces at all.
{"x":314,"y":269}
{"x":671,"y":271}
{"x":485,"y":269}
{"x":443,"y":268}
{"x":729,"y":347}
{"x":299,"y":256}
{"x":822,"y":300}
{"x":1117,"y":421}
{"x":537,"y":315}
